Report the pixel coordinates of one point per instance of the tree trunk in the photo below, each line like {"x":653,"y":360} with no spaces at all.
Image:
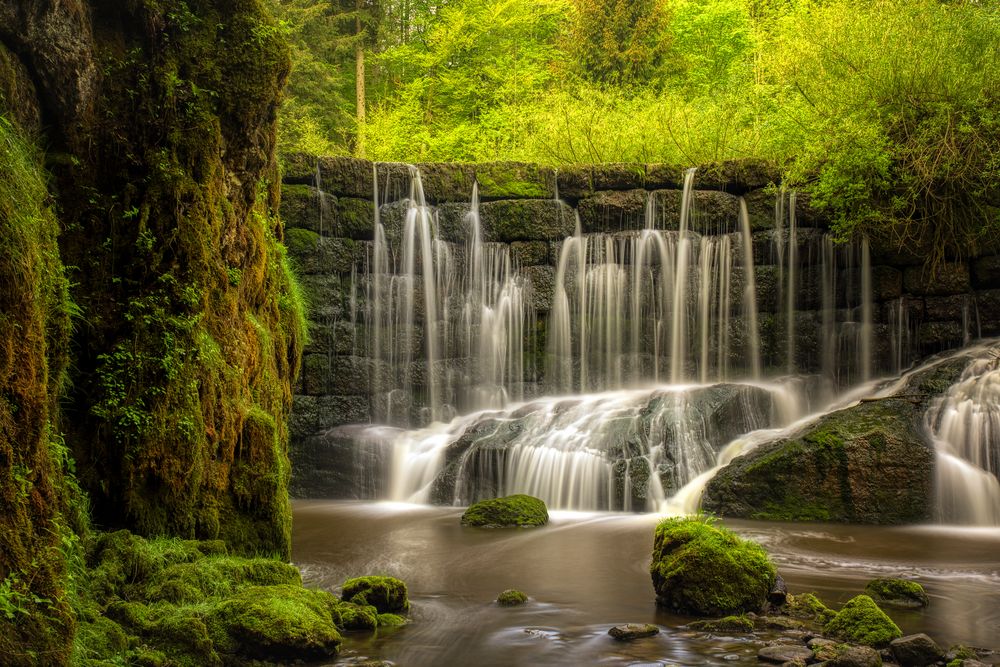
{"x":359,"y":88}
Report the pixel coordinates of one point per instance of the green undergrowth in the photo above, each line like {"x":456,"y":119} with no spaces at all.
{"x":704,"y":569}
{"x":169,"y":601}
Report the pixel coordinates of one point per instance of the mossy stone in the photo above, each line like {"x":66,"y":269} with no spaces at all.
{"x":741,"y":623}
{"x":508,"y":511}
{"x":862,"y":622}
{"x":387,"y":594}
{"x":276,"y":623}
{"x":705,"y":570}
{"x":808,"y":606}
{"x":897,"y":592}
{"x":391,"y":620}
{"x":511,"y":598}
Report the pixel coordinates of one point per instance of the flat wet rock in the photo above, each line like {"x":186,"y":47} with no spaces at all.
{"x":631,"y":631}
{"x":779,"y":655}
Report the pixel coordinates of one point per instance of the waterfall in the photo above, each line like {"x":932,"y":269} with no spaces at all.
{"x":643,"y":328}
{"x":964,"y":425}
{"x":624,"y":450}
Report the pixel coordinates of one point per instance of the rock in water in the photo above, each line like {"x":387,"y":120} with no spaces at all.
{"x":509,"y":511}
{"x":779,"y":655}
{"x":897,"y":593}
{"x":916,"y":650}
{"x":856,"y":656}
{"x":511,"y":598}
{"x":862,"y":622}
{"x":705,"y":570}
{"x":631,"y":631}
{"x":386,"y":594}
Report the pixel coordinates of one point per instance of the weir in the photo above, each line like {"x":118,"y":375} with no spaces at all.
{"x":626,"y":373}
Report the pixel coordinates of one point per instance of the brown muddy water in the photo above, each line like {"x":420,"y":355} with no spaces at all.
{"x":586,"y":572}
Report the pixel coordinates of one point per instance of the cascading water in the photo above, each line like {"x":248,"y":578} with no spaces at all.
{"x":430,"y":298}
{"x":964,"y":425}
{"x":646,"y":329}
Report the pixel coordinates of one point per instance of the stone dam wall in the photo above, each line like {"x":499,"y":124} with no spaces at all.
{"x":329,"y":208}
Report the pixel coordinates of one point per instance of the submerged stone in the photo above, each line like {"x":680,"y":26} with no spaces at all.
{"x":702,"y":569}
{"x":509,"y":511}
{"x":897,"y":593}
{"x":631,"y":631}
{"x":862,"y":622}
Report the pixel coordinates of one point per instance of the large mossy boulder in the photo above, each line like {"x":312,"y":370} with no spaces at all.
{"x":703,"y":569}
{"x":862,"y":622}
{"x":509,"y":511}
{"x":869,"y":463}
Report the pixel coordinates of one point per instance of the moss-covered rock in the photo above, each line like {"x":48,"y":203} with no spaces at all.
{"x":508,"y":511}
{"x":511,"y":598}
{"x":741,"y":623}
{"x":526,"y":220}
{"x":897,"y":593}
{"x":516,"y":180}
{"x":705,"y":570}
{"x":188,"y":603}
{"x":386,"y":594}
{"x":810,"y":607}
{"x":869,"y":463}
{"x":275,"y":623}
{"x":862,"y":622}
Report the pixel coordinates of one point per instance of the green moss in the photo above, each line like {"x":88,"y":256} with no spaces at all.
{"x":514,"y":180}
{"x":301,"y":241}
{"x":276,"y":623}
{"x":516,"y":510}
{"x":897,"y":592}
{"x":511,"y":598}
{"x":36,"y":517}
{"x":217,"y":576}
{"x":702,"y":569}
{"x":808,"y":606}
{"x":386,"y":594}
{"x":350,"y":616}
{"x":741,"y":623}
{"x":862,"y":622}
{"x":390,"y":620}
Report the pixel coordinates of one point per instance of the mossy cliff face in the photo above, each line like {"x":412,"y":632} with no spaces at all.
{"x":869,"y":463}
{"x":161,"y":115}
{"x":35,"y":619}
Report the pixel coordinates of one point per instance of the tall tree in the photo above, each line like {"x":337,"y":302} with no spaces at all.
{"x":620,"y":41}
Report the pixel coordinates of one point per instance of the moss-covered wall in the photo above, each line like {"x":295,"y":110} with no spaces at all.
{"x":159,"y":118}
{"x":36,"y":624}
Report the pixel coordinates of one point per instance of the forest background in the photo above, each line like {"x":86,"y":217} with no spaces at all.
{"x":886,"y":112}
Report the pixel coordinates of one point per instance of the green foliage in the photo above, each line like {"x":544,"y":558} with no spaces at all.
{"x":511,"y":598}
{"x":515,"y":510}
{"x":706,"y":570}
{"x":620,"y":41}
{"x":862,"y":622}
{"x":886,"y":111}
{"x":897,"y":592}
